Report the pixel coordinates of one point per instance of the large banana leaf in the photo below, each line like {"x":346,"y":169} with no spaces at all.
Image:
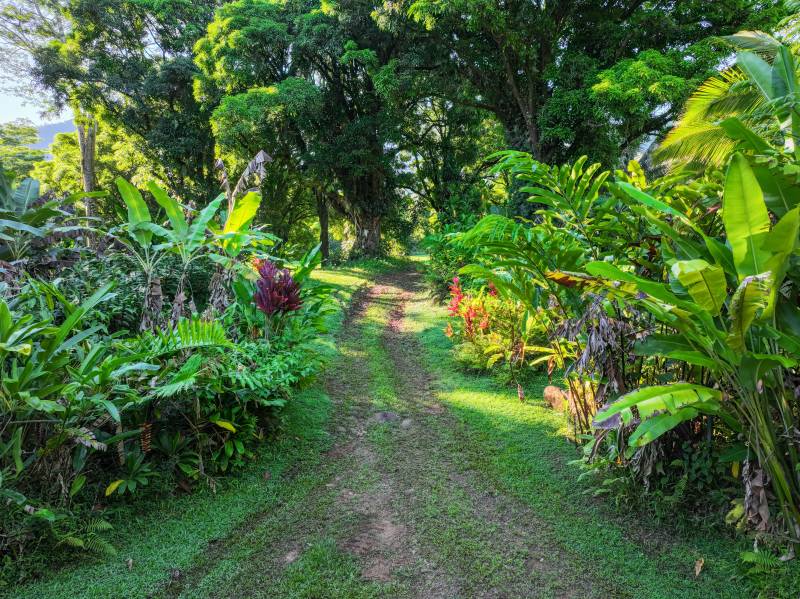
{"x":20,"y":227}
{"x":784,"y":72}
{"x":171,"y":207}
{"x":745,"y":218}
{"x":670,"y":398}
{"x":675,"y":347}
{"x":760,"y":73}
{"x":664,"y":407}
{"x":781,"y":243}
{"x":748,"y":303}
{"x":747,"y":138}
{"x":24,"y":195}
{"x":652,"y":428}
{"x":704,"y":282}
{"x":781,"y":192}
{"x":243,"y":213}
{"x":137,"y":211}
{"x":197,"y":230}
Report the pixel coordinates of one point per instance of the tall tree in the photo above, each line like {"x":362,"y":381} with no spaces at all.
{"x":115,"y":156}
{"x":274,"y":119}
{"x":17,"y":159}
{"x":536,"y":64}
{"x":443,"y":147}
{"x":332,"y":52}
{"x":26,"y":26}
{"x":129,"y":63}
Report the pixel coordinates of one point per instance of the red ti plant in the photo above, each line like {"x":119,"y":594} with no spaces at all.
{"x":277,"y":293}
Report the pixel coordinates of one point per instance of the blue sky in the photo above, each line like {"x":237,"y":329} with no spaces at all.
{"x":13,"y":107}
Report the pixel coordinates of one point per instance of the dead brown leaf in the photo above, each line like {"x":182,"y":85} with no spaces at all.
{"x":698,"y":567}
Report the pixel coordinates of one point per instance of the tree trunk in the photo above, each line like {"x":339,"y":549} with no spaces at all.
{"x":87,"y":143}
{"x":366,"y":202}
{"x":324,"y":239}
{"x":368,"y":235}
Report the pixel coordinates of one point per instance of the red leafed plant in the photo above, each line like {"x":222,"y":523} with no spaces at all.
{"x":456,"y":297}
{"x":277,"y":293}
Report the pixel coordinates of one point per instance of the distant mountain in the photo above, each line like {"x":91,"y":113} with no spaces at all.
{"x":47,"y":133}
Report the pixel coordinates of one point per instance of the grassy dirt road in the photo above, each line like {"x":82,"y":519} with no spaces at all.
{"x":411,"y":479}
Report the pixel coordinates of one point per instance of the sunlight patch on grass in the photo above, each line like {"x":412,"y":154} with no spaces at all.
{"x":523,"y":449}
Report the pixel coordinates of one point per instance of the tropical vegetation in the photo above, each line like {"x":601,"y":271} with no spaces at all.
{"x":607,"y":197}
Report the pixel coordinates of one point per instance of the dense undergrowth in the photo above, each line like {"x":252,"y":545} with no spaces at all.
{"x":118,"y":389}
{"x":524,"y":448}
{"x":156,"y":335}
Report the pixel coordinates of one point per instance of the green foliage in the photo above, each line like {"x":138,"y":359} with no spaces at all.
{"x":747,"y":106}
{"x":621,"y":260}
{"x":447,"y":258}
{"x":83,"y":396}
{"x":573,"y":78}
{"x":16,"y":158}
{"x":27,"y":222}
{"x":145,"y":95}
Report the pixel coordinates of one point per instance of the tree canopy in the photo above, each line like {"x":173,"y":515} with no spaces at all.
{"x":552,"y":71}
{"x":17,"y":159}
{"x":363,"y":105}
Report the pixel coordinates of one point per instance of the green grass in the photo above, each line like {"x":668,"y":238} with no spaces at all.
{"x":323,"y":571}
{"x":522,"y":449}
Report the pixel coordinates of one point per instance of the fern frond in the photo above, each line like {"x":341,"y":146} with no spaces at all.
{"x":187,"y":335}
{"x":100,"y":546}
{"x":98,"y":525}
{"x":763,"y":561}
{"x":183,"y":380}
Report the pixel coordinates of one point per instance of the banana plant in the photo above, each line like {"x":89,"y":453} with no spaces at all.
{"x":187,"y":240}
{"x":136,"y":235}
{"x":22,"y":221}
{"x":726,"y":314}
{"x":232,"y":237}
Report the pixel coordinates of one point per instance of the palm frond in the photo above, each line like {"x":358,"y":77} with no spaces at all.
{"x":759,"y":42}
{"x":698,"y":143}
{"x":697,"y":137}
